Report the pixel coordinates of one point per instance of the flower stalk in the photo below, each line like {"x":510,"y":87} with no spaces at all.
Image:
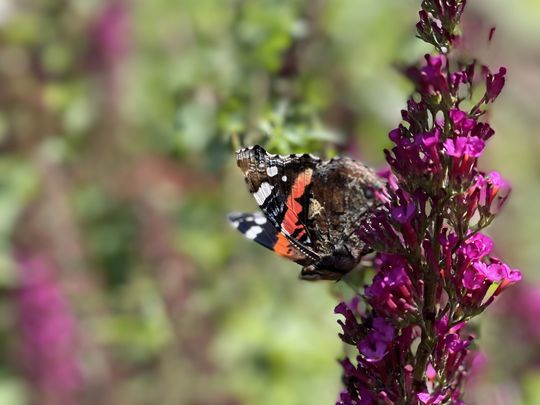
{"x":435,"y":270}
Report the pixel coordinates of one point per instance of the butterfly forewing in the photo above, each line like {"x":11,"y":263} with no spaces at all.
{"x":279,"y":185}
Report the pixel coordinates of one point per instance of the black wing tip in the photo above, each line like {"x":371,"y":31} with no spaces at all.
{"x":233,"y":218}
{"x":250,"y":148}
{"x":259,"y":151}
{"x":253,"y":153}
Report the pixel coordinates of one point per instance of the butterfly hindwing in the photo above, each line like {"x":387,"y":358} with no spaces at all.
{"x":256,"y":227}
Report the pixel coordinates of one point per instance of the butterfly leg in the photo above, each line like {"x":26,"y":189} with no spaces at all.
{"x":309,"y":273}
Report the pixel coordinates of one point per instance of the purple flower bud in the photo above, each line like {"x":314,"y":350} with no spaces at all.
{"x":483,"y":131}
{"x":431,"y":373}
{"x":431,"y":138}
{"x":395,"y":135}
{"x":454,"y":343}
{"x":373,"y":350}
{"x":493,"y":192}
{"x":491,"y":33}
{"x":404,"y":213}
{"x":375,"y":345}
{"x":461,"y":121}
{"x":430,"y":79}
{"x":457,"y":116}
{"x":351,"y":329}
{"x":392,"y":292}
{"x":433,"y":74}
{"x":458,"y":78}
{"x":430,"y":399}
{"x":382,"y":330}
{"x":438,"y":20}
{"x":494,"y":84}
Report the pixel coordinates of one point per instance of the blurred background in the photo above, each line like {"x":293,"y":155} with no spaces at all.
{"x":120,"y":280}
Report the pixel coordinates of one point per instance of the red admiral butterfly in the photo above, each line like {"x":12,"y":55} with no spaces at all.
{"x":311,"y":209}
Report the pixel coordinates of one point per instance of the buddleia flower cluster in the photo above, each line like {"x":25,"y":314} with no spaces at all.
{"x":48,"y":332}
{"x":435,"y":269}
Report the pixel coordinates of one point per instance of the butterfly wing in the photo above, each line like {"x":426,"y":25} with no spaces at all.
{"x":280,"y":185}
{"x":312,"y":209}
{"x":257,"y":228}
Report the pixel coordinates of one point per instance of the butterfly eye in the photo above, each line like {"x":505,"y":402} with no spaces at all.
{"x":368,"y":193}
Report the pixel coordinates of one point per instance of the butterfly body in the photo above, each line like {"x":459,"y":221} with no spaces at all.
{"x":311,"y":209}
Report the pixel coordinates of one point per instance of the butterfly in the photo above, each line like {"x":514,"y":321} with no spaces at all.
{"x":310,"y":209}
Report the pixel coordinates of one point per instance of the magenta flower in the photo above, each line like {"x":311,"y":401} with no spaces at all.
{"x":431,"y":399}
{"x":473,"y":276}
{"x":434,"y":269}
{"x":521,"y":306}
{"x":431,"y":79}
{"x":464,"y":146}
{"x":463,"y":125}
{"x":495,"y":84}
{"x":404,"y":213}
{"x":375,"y":345}
{"x":110,"y":36}
{"x":493,"y":191}
{"x":476,"y":247}
{"x":392,"y":293}
{"x":48,"y":332}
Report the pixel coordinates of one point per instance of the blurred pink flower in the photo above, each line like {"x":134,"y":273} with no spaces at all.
{"x":523,"y":304}
{"x":48,"y":332}
{"x":110,"y":35}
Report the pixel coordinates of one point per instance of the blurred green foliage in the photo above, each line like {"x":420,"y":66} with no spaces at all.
{"x":118,"y":123}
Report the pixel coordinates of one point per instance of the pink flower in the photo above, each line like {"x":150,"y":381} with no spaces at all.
{"x":464,"y":146}
{"x":430,"y":399}
{"x":433,"y":269}
{"x":48,"y":331}
{"x":493,"y":192}
{"x":494,"y":84}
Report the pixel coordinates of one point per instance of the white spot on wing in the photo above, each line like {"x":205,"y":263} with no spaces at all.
{"x":271,"y":171}
{"x":263,"y":192}
{"x":253,"y":232}
{"x":284,"y":178}
{"x":260,"y":220}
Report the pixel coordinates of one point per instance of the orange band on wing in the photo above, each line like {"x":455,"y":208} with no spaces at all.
{"x":293,"y":206}
{"x":284,"y":248}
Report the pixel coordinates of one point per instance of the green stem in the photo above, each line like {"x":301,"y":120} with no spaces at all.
{"x":429,"y":311}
